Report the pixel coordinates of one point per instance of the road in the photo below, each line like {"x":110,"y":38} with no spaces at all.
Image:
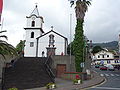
{"x":112,"y":81}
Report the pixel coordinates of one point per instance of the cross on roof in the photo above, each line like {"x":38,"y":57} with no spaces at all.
{"x":51,"y":27}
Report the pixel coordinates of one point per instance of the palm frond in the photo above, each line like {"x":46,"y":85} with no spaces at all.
{"x":72,"y":3}
{"x":3,"y":31}
{"x":4,"y":36}
{"x":7,"y":49}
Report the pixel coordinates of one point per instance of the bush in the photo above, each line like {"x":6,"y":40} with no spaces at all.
{"x":51,"y":85}
{"x":13,"y":89}
{"x":76,"y":81}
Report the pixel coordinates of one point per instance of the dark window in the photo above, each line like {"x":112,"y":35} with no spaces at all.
{"x":103,"y":56}
{"x":108,"y":61}
{"x":33,"y":23}
{"x":31,"y":44}
{"x":98,"y":56}
{"x":32,"y":34}
{"x":116,"y":61}
{"x":107,"y":55}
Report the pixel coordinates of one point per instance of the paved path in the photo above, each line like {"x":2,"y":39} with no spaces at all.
{"x":68,"y":85}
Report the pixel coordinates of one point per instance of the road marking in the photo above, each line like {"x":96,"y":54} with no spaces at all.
{"x":117,"y":75}
{"x":109,"y":88}
{"x":102,"y":75}
{"x":106,"y":74}
{"x":111,"y":74}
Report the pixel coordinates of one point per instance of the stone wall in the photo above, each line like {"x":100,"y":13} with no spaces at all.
{"x":70,"y":65}
{"x":5,"y":60}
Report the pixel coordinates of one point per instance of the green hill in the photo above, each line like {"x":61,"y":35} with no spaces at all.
{"x":109,"y":45}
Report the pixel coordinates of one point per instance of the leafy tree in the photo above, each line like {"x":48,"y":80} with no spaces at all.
{"x":72,"y":49}
{"x":5,"y":48}
{"x":96,"y":49}
{"x":80,"y":10}
{"x":20,"y":46}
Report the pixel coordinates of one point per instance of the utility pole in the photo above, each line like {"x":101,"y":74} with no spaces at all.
{"x":119,"y":47}
{"x":70,"y":39}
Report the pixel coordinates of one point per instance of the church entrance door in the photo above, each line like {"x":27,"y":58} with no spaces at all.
{"x":61,"y":68}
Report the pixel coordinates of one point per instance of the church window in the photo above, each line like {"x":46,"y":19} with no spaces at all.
{"x":31,"y":44}
{"x":33,"y":24}
{"x":32,"y":34}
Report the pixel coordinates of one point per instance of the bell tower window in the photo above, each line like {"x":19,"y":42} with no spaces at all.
{"x":33,"y":24}
{"x":32,"y":34}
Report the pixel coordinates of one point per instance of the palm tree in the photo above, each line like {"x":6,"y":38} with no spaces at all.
{"x":5,"y":48}
{"x":80,"y":10}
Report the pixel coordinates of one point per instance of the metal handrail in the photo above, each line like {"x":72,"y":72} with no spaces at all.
{"x":48,"y":69}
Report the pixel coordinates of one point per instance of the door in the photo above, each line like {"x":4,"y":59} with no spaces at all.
{"x":61,"y":68}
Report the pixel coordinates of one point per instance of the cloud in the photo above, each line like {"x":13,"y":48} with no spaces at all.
{"x":101,"y":21}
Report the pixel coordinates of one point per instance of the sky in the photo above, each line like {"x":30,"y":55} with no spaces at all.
{"x":102,"y":21}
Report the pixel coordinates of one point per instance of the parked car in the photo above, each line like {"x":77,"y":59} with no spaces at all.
{"x":103,"y":68}
{"x":111,"y":67}
{"x":97,"y":66}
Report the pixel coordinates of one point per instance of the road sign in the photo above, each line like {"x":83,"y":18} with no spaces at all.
{"x":82,"y":65}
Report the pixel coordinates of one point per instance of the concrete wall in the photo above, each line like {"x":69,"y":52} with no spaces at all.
{"x":58,"y":59}
{"x":4,"y":61}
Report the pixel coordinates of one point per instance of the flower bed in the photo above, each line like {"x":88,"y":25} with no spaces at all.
{"x":76,"y":81}
{"x":51,"y":86}
{"x":12,"y":89}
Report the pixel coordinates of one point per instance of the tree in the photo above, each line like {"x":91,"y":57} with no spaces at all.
{"x":5,"y":48}
{"x":96,"y":49}
{"x":80,"y":10}
{"x":72,"y":49}
{"x":20,"y":46}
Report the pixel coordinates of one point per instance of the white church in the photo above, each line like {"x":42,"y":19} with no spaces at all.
{"x":38,"y":43}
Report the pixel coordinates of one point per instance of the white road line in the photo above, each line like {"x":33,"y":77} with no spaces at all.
{"x":117,"y":74}
{"x":102,"y":75}
{"x":112,"y":74}
{"x":109,"y":88}
{"x":106,"y":75}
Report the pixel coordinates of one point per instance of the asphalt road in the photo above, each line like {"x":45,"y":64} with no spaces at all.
{"x":112,"y":81}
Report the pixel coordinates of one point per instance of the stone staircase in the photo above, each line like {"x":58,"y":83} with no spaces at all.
{"x":28,"y":72}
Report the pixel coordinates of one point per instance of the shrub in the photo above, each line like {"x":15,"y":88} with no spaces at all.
{"x":51,"y":85}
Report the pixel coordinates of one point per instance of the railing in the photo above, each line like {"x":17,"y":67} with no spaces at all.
{"x":48,"y":69}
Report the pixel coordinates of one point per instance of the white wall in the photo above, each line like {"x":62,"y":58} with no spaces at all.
{"x":44,"y":42}
{"x":101,"y":53}
{"x":38,"y":22}
{"x":31,"y":51}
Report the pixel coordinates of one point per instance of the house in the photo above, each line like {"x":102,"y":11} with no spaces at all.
{"x":105,"y":57}
{"x":40,"y":44}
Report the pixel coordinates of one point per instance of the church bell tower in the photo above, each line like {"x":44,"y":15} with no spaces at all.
{"x":33,"y":30}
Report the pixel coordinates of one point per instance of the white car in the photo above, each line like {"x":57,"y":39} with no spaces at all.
{"x":110,"y":67}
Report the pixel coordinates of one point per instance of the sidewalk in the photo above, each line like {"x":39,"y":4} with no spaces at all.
{"x":68,"y":85}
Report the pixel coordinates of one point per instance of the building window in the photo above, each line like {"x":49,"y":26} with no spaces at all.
{"x":32,"y":34}
{"x":107,"y":55}
{"x":33,"y":24}
{"x":103,"y":56}
{"x":116,"y":61}
{"x":98,"y":56}
{"x":31,"y":44}
{"x":108,"y":61}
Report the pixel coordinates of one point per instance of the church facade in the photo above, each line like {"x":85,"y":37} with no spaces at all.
{"x":40,"y":44}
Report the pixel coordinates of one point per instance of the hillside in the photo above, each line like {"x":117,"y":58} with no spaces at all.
{"x":109,"y":45}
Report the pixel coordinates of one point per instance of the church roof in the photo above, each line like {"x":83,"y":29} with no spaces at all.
{"x":50,"y":32}
{"x":35,"y":11}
